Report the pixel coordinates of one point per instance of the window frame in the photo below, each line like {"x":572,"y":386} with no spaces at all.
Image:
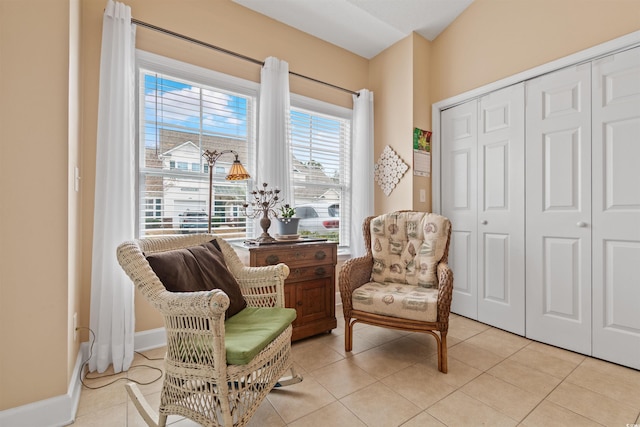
{"x":327,"y":109}
{"x":198,"y":76}
{"x":210,"y":78}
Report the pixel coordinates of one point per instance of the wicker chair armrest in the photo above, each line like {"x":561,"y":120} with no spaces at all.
{"x":263,"y":286}
{"x":271,"y":273}
{"x":260,"y":286}
{"x":354,"y":273}
{"x":445,"y":291}
{"x":209,"y":304}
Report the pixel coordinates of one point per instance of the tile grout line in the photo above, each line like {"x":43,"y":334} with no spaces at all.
{"x":486,"y":371}
{"x":554,"y":389}
{"x":459,"y":387}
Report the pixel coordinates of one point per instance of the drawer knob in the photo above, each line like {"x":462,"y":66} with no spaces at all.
{"x":321,"y":255}
{"x":320,"y":271}
{"x":272,"y":259}
{"x":299,"y":303}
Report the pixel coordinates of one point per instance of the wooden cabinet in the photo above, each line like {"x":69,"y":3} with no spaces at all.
{"x":310,"y":287}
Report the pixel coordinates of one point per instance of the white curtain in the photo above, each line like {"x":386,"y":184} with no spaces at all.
{"x":112,"y":315}
{"x":274,"y":155}
{"x":361,"y":168}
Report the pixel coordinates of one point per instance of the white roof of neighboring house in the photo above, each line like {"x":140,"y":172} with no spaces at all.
{"x":185,"y":146}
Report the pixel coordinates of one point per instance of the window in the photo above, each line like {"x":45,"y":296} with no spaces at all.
{"x":183,"y":111}
{"x":320,"y":144}
{"x":153,"y":207}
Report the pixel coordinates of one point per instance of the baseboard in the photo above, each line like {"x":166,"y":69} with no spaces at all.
{"x":55,"y":411}
{"x":147,"y":340}
{"x":61,"y":410}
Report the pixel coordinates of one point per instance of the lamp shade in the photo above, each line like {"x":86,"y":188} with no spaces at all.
{"x":237,"y":172}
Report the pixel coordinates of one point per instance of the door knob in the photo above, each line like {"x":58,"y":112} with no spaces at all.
{"x":581,"y":224}
{"x":484,"y":222}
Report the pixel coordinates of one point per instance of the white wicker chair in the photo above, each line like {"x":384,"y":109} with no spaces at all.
{"x":198,"y":382}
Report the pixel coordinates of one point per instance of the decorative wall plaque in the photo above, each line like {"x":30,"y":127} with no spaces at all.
{"x":388,"y":170}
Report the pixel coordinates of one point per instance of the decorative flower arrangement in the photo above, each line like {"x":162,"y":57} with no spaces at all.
{"x":264,"y":202}
{"x":264,"y":205}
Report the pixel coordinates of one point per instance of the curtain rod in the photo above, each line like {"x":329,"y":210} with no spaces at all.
{"x":229,"y":52}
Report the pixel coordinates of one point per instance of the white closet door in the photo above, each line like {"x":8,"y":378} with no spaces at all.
{"x":501,"y":257}
{"x":558,"y":206}
{"x":616,"y":208}
{"x":459,"y":202}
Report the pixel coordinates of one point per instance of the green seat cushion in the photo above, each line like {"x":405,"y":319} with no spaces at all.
{"x":252,"y":329}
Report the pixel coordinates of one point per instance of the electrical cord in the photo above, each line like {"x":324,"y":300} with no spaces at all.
{"x":93,"y":340}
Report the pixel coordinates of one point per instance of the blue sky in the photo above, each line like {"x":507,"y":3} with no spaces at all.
{"x":180,"y":106}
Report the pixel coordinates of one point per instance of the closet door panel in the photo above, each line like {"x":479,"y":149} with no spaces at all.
{"x":459,"y":202}
{"x":616,"y":208}
{"x":558,"y":209}
{"x":501,"y":209}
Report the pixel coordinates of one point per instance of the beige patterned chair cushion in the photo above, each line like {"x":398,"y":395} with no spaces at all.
{"x":407,"y":247}
{"x":397,"y":300}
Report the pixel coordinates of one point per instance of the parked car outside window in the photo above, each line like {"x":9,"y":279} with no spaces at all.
{"x":193,"y":222}
{"x":319,"y":219}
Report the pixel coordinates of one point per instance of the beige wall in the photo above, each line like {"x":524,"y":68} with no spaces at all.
{"x":391,"y":80}
{"x":422,"y":65}
{"x":44,"y":279}
{"x":398,"y":76}
{"x":35,"y":258}
{"x":494,"y":39}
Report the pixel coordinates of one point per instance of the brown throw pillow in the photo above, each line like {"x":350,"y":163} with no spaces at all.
{"x":198,"y":268}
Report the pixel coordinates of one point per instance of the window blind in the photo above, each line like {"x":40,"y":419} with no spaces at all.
{"x":181,"y":119}
{"x":320,"y":145}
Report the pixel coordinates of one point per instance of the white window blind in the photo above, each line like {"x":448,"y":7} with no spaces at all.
{"x":181,"y":116}
{"x":320,"y":144}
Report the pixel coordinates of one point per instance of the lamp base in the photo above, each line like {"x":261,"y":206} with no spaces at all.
{"x":265,"y":238}
{"x":265,"y":223}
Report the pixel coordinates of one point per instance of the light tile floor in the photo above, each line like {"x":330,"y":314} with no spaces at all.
{"x":391,"y":379}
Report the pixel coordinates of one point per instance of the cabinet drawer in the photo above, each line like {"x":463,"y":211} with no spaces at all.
{"x":293,"y":257}
{"x":310,"y":272}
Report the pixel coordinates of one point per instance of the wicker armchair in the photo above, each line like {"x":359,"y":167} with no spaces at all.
{"x":403,"y":281}
{"x":200,"y":382}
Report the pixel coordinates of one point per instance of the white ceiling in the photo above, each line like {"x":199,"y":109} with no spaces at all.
{"x":364,"y":27}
